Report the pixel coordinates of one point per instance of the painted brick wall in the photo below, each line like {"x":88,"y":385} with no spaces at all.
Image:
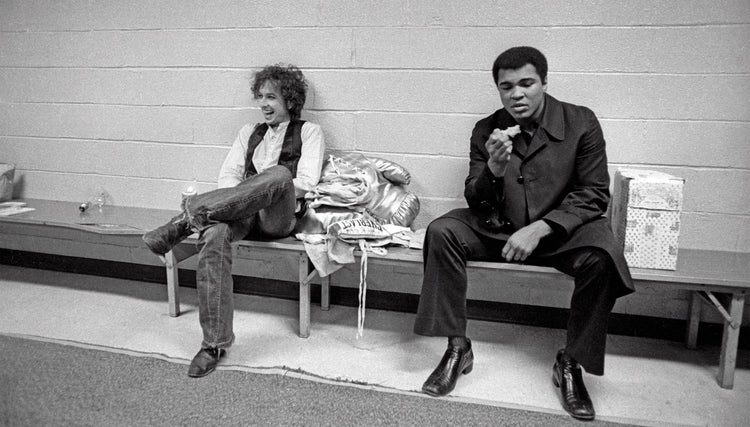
{"x":142,"y":97}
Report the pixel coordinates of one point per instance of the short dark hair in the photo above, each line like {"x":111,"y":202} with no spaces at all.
{"x":516,"y":57}
{"x":289,"y":80}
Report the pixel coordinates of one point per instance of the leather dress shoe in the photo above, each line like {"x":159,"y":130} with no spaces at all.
{"x":205,"y":362}
{"x":566,"y":375}
{"x":161,"y":240}
{"x":455,"y":361}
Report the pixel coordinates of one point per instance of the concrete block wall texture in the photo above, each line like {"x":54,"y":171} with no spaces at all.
{"x":142,"y":97}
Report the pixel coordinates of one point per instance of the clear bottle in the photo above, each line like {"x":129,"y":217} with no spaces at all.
{"x":190,"y":190}
{"x":100,"y":197}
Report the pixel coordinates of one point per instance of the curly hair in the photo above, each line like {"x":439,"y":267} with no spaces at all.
{"x":289,"y":80}
{"x":516,"y":57}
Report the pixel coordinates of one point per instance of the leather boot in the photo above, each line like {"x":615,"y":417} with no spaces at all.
{"x":161,"y":240}
{"x":455,"y":361}
{"x":566,"y":374}
{"x":205,"y":362}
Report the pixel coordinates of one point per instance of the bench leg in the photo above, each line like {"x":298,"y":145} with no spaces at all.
{"x":694,"y":320}
{"x":173,"y":284}
{"x":304,"y":296}
{"x":729,"y":341}
{"x":325,"y":293}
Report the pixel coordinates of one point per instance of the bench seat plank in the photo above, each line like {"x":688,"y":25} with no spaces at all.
{"x":109,"y":220}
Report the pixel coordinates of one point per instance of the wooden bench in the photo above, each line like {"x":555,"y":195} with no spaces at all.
{"x":710,"y":276}
{"x":114,"y":233}
{"x":704,"y":273}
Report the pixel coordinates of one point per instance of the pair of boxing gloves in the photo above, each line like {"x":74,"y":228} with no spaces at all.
{"x":353,"y":186}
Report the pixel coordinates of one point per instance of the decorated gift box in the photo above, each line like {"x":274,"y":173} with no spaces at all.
{"x":645,"y":217}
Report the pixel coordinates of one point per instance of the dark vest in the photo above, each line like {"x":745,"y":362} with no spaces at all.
{"x":291,"y":150}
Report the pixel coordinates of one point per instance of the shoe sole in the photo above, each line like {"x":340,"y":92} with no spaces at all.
{"x":201,"y":375}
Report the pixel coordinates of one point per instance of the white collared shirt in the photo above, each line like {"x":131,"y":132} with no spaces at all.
{"x":267,"y":154}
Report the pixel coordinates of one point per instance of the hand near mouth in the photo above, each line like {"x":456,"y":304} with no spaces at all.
{"x":499,"y":146}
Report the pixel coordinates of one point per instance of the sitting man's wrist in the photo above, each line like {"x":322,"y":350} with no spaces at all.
{"x":542,"y":228}
{"x":496,"y":170}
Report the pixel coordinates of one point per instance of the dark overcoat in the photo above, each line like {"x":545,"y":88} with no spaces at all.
{"x":561,"y":177}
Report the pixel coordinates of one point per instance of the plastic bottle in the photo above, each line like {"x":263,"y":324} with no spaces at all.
{"x":191,"y":190}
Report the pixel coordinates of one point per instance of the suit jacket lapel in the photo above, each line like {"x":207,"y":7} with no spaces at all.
{"x":538,"y":142}
{"x":552,"y":125}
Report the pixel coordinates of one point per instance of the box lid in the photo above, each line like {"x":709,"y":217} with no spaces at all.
{"x":652,"y":189}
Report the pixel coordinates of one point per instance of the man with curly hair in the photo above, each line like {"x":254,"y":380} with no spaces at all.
{"x":262,"y":181}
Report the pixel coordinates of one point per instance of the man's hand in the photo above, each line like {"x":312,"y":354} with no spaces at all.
{"x":499,"y":146}
{"x":523,"y":242}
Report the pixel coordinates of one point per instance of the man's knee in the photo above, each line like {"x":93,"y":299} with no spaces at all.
{"x":442,"y":227}
{"x":278,"y":172}
{"x":276,"y":177}
{"x":447,"y":235}
{"x":594,"y":262}
{"x":441,"y":230}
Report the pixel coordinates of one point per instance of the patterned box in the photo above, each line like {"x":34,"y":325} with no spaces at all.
{"x":645,"y":217}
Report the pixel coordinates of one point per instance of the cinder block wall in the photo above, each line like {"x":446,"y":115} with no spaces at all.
{"x":141,"y":97}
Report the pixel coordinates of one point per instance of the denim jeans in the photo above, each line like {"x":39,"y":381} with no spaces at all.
{"x":263,"y":205}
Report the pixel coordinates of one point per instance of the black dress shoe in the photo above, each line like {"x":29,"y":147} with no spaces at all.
{"x":566,"y":374}
{"x":161,"y":240}
{"x":456,"y":361}
{"x":205,"y":362}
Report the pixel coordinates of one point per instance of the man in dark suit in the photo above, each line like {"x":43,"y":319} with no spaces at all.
{"x":537,"y":194}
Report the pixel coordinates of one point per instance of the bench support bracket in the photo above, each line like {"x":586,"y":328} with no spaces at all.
{"x":730,"y":339}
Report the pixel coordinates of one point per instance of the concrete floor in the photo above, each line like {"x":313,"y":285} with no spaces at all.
{"x":648,"y":382}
